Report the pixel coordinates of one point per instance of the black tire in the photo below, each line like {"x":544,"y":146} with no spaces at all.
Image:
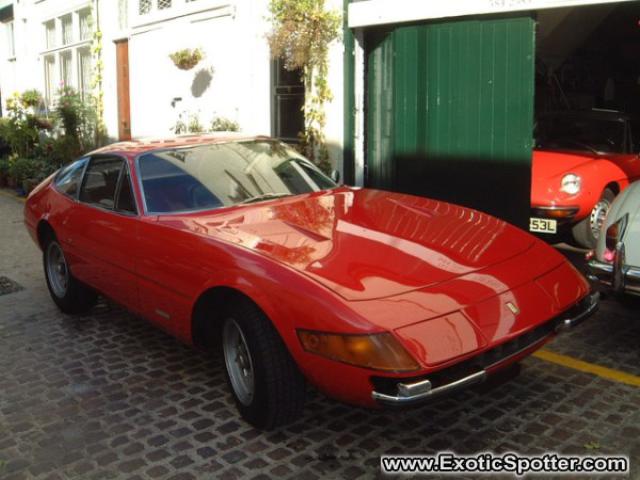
{"x":77,"y":297}
{"x":583,"y":232}
{"x":278,"y":386}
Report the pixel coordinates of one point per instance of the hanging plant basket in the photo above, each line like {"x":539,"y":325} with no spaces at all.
{"x":187,"y":58}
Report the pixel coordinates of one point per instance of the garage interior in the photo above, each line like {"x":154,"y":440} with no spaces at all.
{"x":588,"y":57}
{"x":451,"y":104}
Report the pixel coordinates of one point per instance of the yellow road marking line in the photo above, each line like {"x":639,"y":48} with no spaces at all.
{"x":574,"y":363}
{"x":12,"y":195}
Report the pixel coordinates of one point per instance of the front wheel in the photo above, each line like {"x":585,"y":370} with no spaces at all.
{"x":587,"y":232}
{"x":69,"y":294}
{"x":266,"y":384}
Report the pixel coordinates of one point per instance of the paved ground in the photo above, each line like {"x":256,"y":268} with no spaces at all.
{"x":108,"y":396}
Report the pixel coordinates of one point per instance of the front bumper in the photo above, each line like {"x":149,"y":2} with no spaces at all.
{"x":616,"y":276}
{"x":411,"y":391}
{"x":562,"y":213}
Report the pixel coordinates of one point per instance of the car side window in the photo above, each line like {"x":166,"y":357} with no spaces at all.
{"x":100,"y":182}
{"x":124,"y":201}
{"x":68,"y":179}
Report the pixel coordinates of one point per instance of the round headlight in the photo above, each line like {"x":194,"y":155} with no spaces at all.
{"x":570,"y":184}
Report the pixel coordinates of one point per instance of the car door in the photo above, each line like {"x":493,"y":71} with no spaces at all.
{"x":105,"y":225}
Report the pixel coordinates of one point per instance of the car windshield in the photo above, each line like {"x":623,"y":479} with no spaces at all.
{"x":565,"y":132}
{"x":220,"y":175}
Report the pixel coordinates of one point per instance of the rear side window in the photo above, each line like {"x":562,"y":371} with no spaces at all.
{"x":100,"y":182}
{"x":68,"y":179}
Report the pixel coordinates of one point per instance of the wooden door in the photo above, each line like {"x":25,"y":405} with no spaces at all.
{"x":122,"y":68}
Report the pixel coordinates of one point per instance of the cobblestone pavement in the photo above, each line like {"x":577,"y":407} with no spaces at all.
{"x":109,"y":396}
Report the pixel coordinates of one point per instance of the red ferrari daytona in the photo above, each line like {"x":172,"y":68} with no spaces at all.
{"x":376,"y":298}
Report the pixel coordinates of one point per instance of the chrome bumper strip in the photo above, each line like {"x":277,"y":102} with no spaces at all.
{"x":567,"y":323}
{"x":397,"y":400}
{"x":605,"y":273}
{"x":422,"y":390}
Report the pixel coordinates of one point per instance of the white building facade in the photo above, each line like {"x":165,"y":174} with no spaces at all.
{"x":49,"y":43}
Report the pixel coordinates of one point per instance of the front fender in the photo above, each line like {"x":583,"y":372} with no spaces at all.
{"x":595,"y":175}
{"x":290,"y":299}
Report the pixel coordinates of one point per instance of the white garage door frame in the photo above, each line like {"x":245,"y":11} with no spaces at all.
{"x":379,"y":12}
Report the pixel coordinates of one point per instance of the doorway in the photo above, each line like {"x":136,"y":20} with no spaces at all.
{"x":124,"y":103}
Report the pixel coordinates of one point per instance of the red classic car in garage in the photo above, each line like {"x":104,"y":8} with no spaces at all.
{"x":581,"y":162}
{"x":376,"y":298}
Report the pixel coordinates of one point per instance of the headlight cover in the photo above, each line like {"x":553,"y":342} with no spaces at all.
{"x":379,"y":351}
{"x":571,"y":184}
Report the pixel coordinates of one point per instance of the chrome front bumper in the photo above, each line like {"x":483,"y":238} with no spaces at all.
{"x":620,"y":278}
{"x":419,"y":390}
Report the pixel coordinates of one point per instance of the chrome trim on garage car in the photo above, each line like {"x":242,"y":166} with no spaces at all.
{"x":606,"y":273}
{"x":548,"y":211}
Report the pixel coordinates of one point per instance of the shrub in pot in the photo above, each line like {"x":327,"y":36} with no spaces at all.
{"x":186,"y":58}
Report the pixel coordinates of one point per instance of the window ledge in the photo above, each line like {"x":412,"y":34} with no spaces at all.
{"x":81,"y":43}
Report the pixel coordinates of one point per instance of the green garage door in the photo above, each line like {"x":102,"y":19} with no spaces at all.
{"x":450,"y":112}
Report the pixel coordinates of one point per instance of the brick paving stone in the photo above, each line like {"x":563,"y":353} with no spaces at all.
{"x":107,"y":396}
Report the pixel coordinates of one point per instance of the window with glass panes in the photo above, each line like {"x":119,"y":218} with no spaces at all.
{"x":67,"y":52}
{"x":11,"y":46}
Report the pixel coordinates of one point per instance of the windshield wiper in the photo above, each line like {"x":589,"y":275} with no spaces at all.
{"x":265,"y":196}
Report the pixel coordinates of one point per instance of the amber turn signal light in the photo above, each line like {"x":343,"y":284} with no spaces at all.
{"x":380,"y":351}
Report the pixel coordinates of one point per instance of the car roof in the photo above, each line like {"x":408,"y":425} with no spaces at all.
{"x":133,"y":148}
{"x":594,"y":114}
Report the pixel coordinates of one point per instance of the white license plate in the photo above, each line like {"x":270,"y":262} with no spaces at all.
{"x":543,"y":225}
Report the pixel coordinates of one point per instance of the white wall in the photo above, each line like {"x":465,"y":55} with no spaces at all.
{"x":232,"y":34}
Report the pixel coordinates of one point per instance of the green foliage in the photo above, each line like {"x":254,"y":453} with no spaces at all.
{"x":96,"y":84}
{"x":78,"y":121}
{"x":38,"y":144}
{"x":20,"y":131}
{"x":31,"y":98}
{"x":4,"y":166}
{"x":221,"y":124}
{"x":24,"y":168}
{"x":187,"y":58}
{"x":302,"y":31}
{"x":193,"y":125}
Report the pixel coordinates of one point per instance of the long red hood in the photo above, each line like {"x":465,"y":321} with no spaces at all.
{"x":365,"y":244}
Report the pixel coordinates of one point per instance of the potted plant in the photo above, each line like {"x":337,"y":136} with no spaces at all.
{"x":187,"y":58}
{"x":222,"y":124}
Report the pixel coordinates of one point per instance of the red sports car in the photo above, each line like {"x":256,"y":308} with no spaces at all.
{"x":376,"y":298}
{"x":581,"y":162}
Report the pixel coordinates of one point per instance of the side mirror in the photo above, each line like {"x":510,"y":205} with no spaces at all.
{"x":335,"y":176}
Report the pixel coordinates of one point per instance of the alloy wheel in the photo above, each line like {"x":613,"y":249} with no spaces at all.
{"x":57,"y":270}
{"x":238,"y":362}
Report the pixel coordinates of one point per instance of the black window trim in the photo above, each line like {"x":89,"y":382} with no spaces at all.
{"x":100,"y":156}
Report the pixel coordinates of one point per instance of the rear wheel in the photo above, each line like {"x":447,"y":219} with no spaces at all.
{"x":266,"y":384}
{"x":69,"y":294}
{"x":586,"y":232}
